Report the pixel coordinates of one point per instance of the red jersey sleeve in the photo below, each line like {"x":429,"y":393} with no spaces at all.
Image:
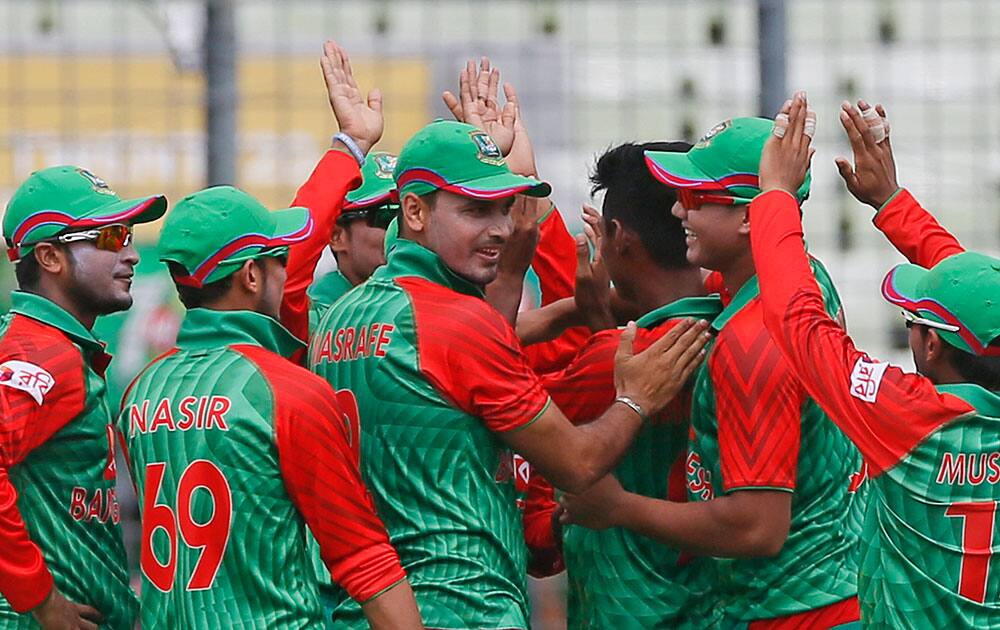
{"x":555,"y":265}
{"x":321,"y":474}
{"x":323,"y":193}
{"x":914,"y":231}
{"x":544,"y":549}
{"x":883,"y":410}
{"x":757,"y":404}
{"x":470,"y":354}
{"x":31,"y":355}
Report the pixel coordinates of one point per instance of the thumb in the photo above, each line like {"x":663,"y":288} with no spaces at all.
{"x":508,"y":115}
{"x":375,"y":100}
{"x":452,"y":103}
{"x":846,"y":171}
{"x":582,"y":255}
{"x":625,"y":351}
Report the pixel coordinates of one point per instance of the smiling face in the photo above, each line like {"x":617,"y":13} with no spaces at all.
{"x":468,"y":234}
{"x":100,"y":281}
{"x":716,"y":235}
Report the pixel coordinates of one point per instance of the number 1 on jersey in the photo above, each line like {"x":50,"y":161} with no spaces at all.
{"x":977,"y":546}
{"x":211,"y":537}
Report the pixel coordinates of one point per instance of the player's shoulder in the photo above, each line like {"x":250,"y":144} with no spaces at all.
{"x":291,"y":384}
{"x":443,"y":308}
{"x":39,"y":359}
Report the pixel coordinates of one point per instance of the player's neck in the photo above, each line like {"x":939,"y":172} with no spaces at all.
{"x":659,"y":287}
{"x":53,"y":293}
{"x":738,"y":272}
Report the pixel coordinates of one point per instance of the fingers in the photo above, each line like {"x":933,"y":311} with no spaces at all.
{"x":375,"y":100}
{"x":625,"y":344}
{"x":89,"y":612}
{"x":667,"y":341}
{"x":453,"y":105}
{"x":688,"y":344}
{"x":582,"y":256}
{"x":470,"y":78}
{"x":483,"y":80}
{"x":492,"y":89}
{"x":796,"y":119}
{"x":508,"y":115}
{"x":864,"y":135}
{"x":781,"y":120}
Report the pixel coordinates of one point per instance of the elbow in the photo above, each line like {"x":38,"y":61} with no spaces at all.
{"x":580,"y":479}
{"x":763,"y":540}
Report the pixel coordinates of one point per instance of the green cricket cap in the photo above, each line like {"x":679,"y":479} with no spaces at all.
{"x":65,"y":198}
{"x":212,"y":232}
{"x":377,"y":183}
{"x":961,"y":291}
{"x":461,"y":159}
{"x":727,"y":158}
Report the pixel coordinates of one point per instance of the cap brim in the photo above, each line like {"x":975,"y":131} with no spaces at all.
{"x":678,"y":171}
{"x":291,"y":226}
{"x":370,"y":200}
{"x":900,"y":286}
{"x":131,"y":211}
{"x":500,"y":186}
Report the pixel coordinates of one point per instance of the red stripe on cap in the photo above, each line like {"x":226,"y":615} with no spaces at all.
{"x":676,"y":181}
{"x":428,"y":176}
{"x":54,"y":217}
{"x":294,"y":237}
{"x":371,"y":201}
{"x":892,"y":294}
{"x":205,"y":269}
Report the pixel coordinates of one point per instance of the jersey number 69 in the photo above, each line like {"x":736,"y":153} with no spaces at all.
{"x":211,"y":536}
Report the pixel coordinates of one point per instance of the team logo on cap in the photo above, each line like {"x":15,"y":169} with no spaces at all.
{"x":486,"y":150}
{"x":706,"y":139}
{"x":385,"y":164}
{"x":98,"y":184}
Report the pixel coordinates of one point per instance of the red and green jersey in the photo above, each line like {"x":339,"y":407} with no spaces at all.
{"x":235,"y":451}
{"x":932,"y":451}
{"x":59,"y":518}
{"x":753,"y":427}
{"x":436,"y":374}
{"x":619,"y":579}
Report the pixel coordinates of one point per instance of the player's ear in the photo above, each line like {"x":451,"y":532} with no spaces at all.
{"x":414,"y":212}
{"x":51,"y":258}
{"x":621,"y":239}
{"x":340,"y":239}
{"x":745,"y":222}
{"x":934,"y":349}
{"x":249,"y":277}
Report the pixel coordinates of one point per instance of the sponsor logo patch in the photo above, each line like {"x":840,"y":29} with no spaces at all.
{"x":866,"y":378}
{"x":26,"y":377}
{"x":486,"y":150}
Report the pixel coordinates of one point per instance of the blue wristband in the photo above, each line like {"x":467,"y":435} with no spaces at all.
{"x":352,"y":146}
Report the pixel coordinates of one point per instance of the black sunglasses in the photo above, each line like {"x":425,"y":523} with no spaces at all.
{"x":379,"y":216}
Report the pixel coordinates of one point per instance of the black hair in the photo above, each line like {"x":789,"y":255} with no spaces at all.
{"x":197,"y":297}
{"x":977,"y":369}
{"x":28,"y":272}
{"x":639,"y":202}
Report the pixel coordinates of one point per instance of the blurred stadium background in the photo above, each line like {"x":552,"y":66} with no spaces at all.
{"x":121,"y":87}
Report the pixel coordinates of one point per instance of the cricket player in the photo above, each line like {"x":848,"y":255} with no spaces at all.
{"x":929,"y":439}
{"x":617,"y":578}
{"x":62,"y":561}
{"x":772,"y":482}
{"x":358,"y":238}
{"x":444,"y":394}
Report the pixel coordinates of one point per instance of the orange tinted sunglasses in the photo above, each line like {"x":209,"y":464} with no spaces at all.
{"x":111,"y":238}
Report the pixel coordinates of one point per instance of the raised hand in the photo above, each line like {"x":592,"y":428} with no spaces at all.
{"x":872,"y":179}
{"x":787,"y":153}
{"x":521,"y":158}
{"x":478,"y":105}
{"x":653,"y":377}
{"x":359,"y":118}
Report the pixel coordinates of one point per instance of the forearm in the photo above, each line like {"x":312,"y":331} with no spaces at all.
{"x":393,"y":609}
{"x":597,"y":448}
{"x":914,"y":231}
{"x":548,"y":322}
{"x":710,"y":528}
{"x":504,"y":294}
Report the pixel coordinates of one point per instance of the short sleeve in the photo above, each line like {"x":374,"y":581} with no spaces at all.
{"x":471,"y":355}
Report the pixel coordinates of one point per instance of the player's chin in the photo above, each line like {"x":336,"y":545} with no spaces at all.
{"x":482,"y":273}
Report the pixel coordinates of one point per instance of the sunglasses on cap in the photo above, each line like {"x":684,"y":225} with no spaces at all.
{"x":694,"y":199}
{"x":374,"y":216}
{"x":912,"y":319}
{"x":111,"y":238}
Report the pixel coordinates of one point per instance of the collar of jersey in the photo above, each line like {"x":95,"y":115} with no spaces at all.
{"x":205,"y":328}
{"x":987,"y":403}
{"x":48,"y":312}
{"x":412,"y":259}
{"x":329,"y":288}
{"x":749,"y":290}
{"x":700,"y":307}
